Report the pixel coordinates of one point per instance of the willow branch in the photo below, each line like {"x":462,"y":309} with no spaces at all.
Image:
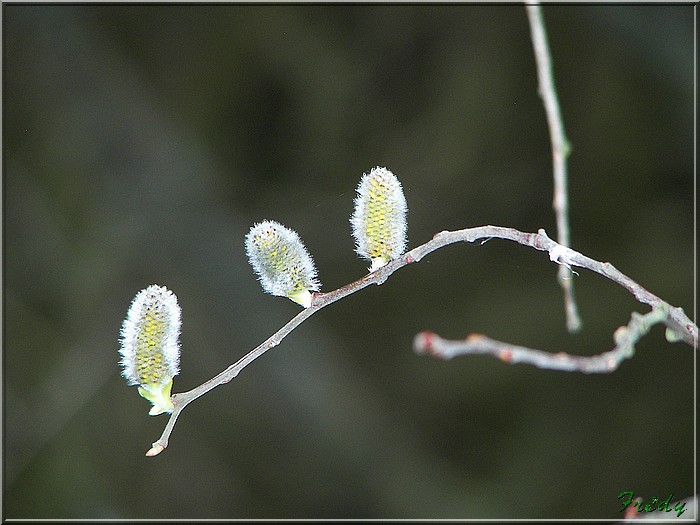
{"x":625,"y":338}
{"x":676,"y":321}
{"x":560,"y":152}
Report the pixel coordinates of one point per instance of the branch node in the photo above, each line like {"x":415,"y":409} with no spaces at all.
{"x":562,"y":255}
{"x":620,"y":335}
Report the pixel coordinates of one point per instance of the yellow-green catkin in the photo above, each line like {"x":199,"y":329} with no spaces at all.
{"x":379,"y":218}
{"x":150,"y":347}
{"x":281,"y":261}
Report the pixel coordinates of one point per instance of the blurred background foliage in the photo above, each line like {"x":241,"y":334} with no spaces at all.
{"x":140,"y":142}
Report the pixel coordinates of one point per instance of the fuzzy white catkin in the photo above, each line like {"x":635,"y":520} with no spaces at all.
{"x":379,"y":218}
{"x":281,"y":261}
{"x":150,"y":347}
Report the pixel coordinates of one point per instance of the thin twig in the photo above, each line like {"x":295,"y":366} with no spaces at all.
{"x":677,"y":322}
{"x":560,"y":152}
{"x":625,"y":339}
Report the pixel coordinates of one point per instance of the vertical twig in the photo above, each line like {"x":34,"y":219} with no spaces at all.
{"x":560,"y":152}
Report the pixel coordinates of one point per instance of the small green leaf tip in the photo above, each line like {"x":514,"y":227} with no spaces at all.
{"x":672,"y":336}
{"x":379,"y":218}
{"x":159,"y":395}
{"x":281,"y":262}
{"x":150,"y":347}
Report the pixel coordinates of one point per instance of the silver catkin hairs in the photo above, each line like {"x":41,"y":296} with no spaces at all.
{"x":281,"y":261}
{"x":379,"y":218}
{"x":150,"y":347}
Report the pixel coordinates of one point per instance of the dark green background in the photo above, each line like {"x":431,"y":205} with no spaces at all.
{"x":141,"y":142}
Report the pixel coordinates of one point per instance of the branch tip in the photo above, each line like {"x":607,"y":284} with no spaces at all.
{"x":156,"y":449}
{"x":424,"y":342}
